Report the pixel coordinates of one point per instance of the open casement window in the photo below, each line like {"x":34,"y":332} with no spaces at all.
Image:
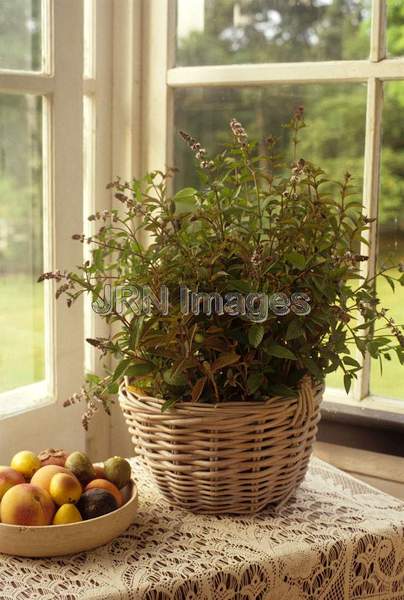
{"x":257,"y":60}
{"x":54,"y":80}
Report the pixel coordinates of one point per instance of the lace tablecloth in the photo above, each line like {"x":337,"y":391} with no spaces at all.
{"x":338,"y":539}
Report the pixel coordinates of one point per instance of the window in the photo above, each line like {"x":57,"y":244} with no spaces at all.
{"x":67,"y":126}
{"x":41,"y":57}
{"x":21,"y":240}
{"x":257,"y":60}
{"x":51,"y":155}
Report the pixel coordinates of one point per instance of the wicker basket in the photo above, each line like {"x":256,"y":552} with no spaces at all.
{"x":225,"y":458}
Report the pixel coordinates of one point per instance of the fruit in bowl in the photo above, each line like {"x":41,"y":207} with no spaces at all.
{"x":26,"y":463}
{"x":67,"y":513}
{"x":99,"y":471}
{"x":65,"y":488}
{"x":50,"y":456}
{"x":26,"y":504}
{"x":8,"y":478}
{"x":95,"y":503}
{"x":44,"y":475}
{"x":53,"y":494}
{"x":81,"y":466}
{"x":117,"y":470}
{"x":104,"y":484}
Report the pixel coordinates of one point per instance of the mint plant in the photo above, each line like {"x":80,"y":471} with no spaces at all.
{"x":255,"y":225}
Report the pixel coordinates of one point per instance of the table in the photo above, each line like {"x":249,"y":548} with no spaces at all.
{"x":337,"y":539}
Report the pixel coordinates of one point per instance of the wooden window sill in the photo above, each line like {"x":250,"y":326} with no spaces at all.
{"x":381,"y":471}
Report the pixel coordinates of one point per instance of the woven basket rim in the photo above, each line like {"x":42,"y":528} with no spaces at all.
{"x":318,"y":389}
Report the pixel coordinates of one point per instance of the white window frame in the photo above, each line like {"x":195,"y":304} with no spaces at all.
{"x":162,"y":78}
{"x":75,"y":35}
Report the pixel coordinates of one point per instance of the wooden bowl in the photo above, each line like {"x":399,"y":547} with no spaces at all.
{"x":57,"y":540}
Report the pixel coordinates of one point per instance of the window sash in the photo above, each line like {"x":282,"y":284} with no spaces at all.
{"x":162,"y":78}
{"x":77,"y":37}
{"x":61,"y":86}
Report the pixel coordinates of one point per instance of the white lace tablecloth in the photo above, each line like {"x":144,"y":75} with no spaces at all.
{"x":338,"y":539}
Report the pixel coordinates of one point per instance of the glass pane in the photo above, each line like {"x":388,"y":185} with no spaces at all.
{"x":395,"y":28}
{"x":214,"y":32}
{"x":329,"y":110}
{"x":391,"y":229}
{"x":21,"y":247}
{"x":20,"y":35}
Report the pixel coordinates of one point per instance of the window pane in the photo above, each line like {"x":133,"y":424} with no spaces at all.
{"x":391,"y":229}
{"x":21,"y":248}
{"x":216,"y":32}
{"x":395,"y":28}
{"x":334,"y":138}
{"x":329,"y":110}
{"x":20,"y":34}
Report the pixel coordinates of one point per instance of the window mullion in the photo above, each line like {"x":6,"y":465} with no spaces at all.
{"x":371,"y":189}
{"x":158,"y":105}
{"x":97,"y":136}
{"x":48,"y":241}
{"x":371,"y":178}
{"x":67,"y":188}
{"x":97,"y":173}
{"x":47,"y":40}
{"x":127,"y":126}
{"x":378,"y":31}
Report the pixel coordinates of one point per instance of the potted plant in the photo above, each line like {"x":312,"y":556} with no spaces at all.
{"x":231,"y":303}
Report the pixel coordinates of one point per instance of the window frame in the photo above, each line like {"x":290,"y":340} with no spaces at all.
{"x":163,"y":78}
{"x":76,"y":71}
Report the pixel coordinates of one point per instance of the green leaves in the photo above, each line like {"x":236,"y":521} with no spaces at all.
{"x":254,"y":381}
{"x":174,"y":379}
{"x":198,"y":389}
{"x":347,"y":382}
{"x":348,"y":360}
{"x":296,"y":260}
{"x":294,"y":330}
{"x":184,"y":201}
{"x":131,"y":369}
{"x":224,"y":360}
{"x":279,"y":389}
{"x":120,"y":370}
{"x":279,"y":351}
{"x":389,"y":280}
{"x":140,"y":369}
{"x":256,"y":334}
{"x":313,"y":368}
{"x":248,"y":228}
